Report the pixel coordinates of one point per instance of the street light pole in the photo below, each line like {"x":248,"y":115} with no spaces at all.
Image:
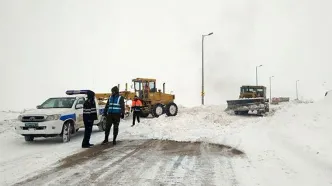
{"x":203,"y":66}
{"x":297,"y":93}
{"x":257,"y":75}
{"x":271,"y":88}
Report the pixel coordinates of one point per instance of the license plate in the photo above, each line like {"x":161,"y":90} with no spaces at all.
{"x":31,"y":124}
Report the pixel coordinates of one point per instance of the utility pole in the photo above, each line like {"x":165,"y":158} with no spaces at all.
{"x":297,"y":93}
{"x":257,"y":74}
{"x":203,"y":93}
{"x":271,"y":88}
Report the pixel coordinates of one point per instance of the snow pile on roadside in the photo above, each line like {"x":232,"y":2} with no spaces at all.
{"x":293,"y":145}
{"x":206,"y":123}
{"x":309,"y":125}
{"x":8,"y":115}
{"x":6,"y":118}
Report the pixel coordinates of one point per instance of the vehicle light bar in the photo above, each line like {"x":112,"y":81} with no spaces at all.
{"x":73,"y":92}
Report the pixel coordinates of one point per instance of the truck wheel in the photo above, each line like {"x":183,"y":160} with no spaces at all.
{"x":29,"y":138}
{"x":171,"y":109}
{"x":66,"y":132}
{"x":157,"y":110}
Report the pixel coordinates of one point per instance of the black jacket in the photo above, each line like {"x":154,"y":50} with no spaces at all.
{"x":122,"y":105}
{"x":90,"y":110}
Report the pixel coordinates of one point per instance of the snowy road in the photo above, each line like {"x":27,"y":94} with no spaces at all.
{"x":146,"y":162}
{"x":289,"y":147}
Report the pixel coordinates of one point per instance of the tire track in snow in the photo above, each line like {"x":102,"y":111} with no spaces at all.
{"x":130,"y":163}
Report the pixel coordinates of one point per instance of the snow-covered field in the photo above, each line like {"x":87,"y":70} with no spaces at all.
{"x":291,"y":146}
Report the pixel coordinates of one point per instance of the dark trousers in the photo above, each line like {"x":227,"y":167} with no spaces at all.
{"x":136,"y":114}
{"x":87,"y":133}
{"x":112,"y":119}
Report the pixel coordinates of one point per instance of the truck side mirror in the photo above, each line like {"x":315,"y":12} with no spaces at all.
{"x":79,"y":106}
{"x":38,"y":107}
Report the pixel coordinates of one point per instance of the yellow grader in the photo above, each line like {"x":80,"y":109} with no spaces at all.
{"x":154,"y":101}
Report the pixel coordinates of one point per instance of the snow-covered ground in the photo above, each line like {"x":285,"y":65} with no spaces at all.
{"x":291,"y":146}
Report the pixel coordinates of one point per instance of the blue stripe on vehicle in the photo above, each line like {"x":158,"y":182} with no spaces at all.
{"x":68,"y":116}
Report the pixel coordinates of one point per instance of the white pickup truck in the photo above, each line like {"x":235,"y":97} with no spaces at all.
{"x":58,"y":116}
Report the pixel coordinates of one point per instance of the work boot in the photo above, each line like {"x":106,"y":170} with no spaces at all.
{"x":105,"y":141}
{"x":114,"y":139}
{"x":115,"y":134}
{"x":86,"y":146}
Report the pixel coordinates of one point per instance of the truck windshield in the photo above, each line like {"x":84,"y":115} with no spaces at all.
{"x":58,"y":103}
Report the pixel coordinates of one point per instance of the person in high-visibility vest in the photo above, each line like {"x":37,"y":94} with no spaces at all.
{"x":136,"y":108}
{"x":114,"y":110}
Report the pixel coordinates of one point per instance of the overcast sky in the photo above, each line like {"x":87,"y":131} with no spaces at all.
{"x":48,"y":47}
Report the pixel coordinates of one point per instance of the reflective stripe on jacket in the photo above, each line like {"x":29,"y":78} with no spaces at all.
{"x":114,"y":105}
{"x":89,"y":110}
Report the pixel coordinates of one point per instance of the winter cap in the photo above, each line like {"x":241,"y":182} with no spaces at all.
{"x":115,"y":90}
{"x":90,"y":94}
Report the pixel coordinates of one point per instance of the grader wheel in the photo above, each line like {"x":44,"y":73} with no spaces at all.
{"x":157,"y":110}
{"x":171,"y":109}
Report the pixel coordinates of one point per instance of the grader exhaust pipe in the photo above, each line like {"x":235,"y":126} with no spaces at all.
{"x":164,"y":88}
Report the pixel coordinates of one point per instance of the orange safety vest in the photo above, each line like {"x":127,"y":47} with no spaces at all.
{"x":136,"y":103}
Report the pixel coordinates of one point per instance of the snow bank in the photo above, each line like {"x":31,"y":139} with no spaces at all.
{"x":294,"y":144}
{"x":308,"y":126}
{"x":6,"y":118}
{"x":202,"y":123}
{"x":207,"y":123}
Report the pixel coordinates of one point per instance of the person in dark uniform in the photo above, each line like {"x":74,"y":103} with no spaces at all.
{"x":89,"y":115}
{"x":136,"y":107}
{"x":114,"y":110}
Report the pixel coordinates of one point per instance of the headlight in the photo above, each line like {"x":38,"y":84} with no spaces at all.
{"x":20,"y":117}
{"x":53,"y":117}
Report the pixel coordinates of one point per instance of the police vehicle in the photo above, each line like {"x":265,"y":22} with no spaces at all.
{"x":57,"y":116}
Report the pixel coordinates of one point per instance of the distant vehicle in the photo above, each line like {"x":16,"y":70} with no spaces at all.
{"x":251,"y":98}
{"x":58,"y":116}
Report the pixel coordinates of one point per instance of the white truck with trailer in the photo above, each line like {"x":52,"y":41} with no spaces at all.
{"x":57,"y":116}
